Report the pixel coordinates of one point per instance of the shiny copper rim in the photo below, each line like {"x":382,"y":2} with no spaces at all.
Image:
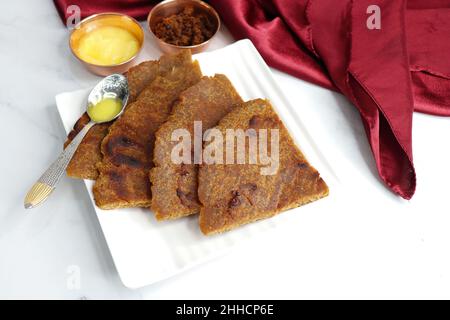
{"x":184,"y":47}
{"x":91,"y":17}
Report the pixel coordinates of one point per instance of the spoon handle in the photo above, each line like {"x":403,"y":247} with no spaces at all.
{"x":42,"y":189}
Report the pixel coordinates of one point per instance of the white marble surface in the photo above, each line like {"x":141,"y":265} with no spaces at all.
{"x":372,"y":245}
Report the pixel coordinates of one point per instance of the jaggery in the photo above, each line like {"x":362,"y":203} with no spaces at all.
{"x":186,"y":28}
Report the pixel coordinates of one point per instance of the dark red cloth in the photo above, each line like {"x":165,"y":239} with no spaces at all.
{"x":138,"y":9}
{"x":385,"y":73}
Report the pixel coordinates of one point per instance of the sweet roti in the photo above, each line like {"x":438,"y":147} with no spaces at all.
{"x":127,"y":149}
{"x":83,"y":163}
{"x":174,"y":186}
{"x":235,"y":194}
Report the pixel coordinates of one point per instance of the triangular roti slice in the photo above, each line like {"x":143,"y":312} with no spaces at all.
{"x":235,"y":194}
{"x":88,"y":154}
{"x":127,"y":149}
{"x":174,"y":186}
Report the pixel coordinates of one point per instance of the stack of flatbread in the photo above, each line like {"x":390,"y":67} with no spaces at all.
{"x":132,"y":158}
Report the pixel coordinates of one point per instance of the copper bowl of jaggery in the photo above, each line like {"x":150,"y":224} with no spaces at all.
{"x":183,"y":25}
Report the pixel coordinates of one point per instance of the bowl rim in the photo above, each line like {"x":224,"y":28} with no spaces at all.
{"x":162,"y":3}
{"x":97,"y":15}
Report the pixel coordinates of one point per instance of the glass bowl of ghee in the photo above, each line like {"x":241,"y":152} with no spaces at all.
{"x":107,"y":43}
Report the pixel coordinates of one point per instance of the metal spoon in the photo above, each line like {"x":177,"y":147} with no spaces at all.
{"x":113,"y":86}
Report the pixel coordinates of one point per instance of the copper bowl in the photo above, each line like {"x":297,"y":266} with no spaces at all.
{"x":170,"y":7}
{"x":106,"y":19}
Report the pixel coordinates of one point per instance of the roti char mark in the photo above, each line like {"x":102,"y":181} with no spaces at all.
{"x":128,"y":147}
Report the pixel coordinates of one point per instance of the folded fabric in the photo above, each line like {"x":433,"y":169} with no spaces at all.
{"x":427,"y":35}
{"x":138,"y":9}
{"x":386,"y":73}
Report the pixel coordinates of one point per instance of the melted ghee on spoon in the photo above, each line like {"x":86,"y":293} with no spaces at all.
{"x":105,"y":110}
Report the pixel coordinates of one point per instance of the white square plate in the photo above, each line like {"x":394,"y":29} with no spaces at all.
{"x":144,"y":250}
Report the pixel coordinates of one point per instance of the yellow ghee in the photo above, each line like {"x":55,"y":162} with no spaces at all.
{"x":105,"y":110}
{"x":107,"y":45}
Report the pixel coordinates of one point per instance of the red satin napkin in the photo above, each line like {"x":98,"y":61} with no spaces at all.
{"x":386,"y":73}
{"x":138,"y":9}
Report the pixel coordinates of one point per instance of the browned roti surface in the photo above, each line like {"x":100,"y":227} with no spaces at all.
{"x":128,"y":147}
{"x":236,"y":194}
{"x":174,"y":186}
{"x":83,"y":163}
